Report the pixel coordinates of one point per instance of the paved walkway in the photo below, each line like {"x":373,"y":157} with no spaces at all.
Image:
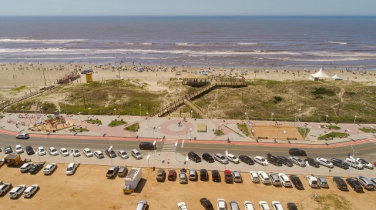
{"x":178,"y":129}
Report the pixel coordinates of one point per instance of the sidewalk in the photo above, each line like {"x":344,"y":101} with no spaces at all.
{"x":169,"y":128}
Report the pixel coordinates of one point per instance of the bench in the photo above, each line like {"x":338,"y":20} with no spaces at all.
{"x":262,"y":137}
{"x":288,"y":138}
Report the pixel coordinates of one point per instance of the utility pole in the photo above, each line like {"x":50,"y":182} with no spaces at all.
{"x":83,"y":96}
{"x":45,"y":84}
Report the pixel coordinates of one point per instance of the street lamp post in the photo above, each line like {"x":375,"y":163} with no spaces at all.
{"x":271,"y":118}
{"x":326,"y":118}
{"x":89,"y":110}
{"x":115,"y":111}
{"x":284,"y":132}
{"x":319,"y":132}
{"x":190,"y":133}
{"x":140,"y":108}
{"x":159,"y":129}
{"x":66,"y":111}
{"x":100,"y":129}
{"x":354,"y":118}
{"x":191,"y":114}
{"x":147,"y":118}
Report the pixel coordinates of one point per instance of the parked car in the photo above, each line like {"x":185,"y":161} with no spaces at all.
{"x":171,"y":175}
{"x":339,"y":163}
{"x":275,"y":179}
{"x":312,"y":181}
{"x":264,"y":205}
{"x":88,"y":152}
{"x":365,"y":182}
{"x":136,"y":154}
{"x":247,"y":160}
{"x":53,"y":151}
{"x":182,"y":206}
{"x":216,"y":177}
{"x":99,"y":154}
{"x":4,"y":188}
{"x":19,"y":149}
{"x":206,"y":204}
{"x":254,"y":176}
{"x":232,"y":158}
{"x":64,"y":152}
{"x":354,"y":184}
{"x":285,"y":161}
{"x":233,"y":205}
{"x":365,"y":163}
{"x":145,"y":145}
{"x":324,"y":162}
{"x":17,"y":191}
{"x":291,"y":206}
{"x":8,"y":149}
{"x":296,"y":181}
{"x":228,"y":176}
{"x":204,"y":176}
{"x":340,"y":183}
{"x":297,"y":161}
{"x":260,"y":160}
{"x":75,"y":152}
{"x":220,"y":158}
{"x":142,"y":205}
{"x":2,"y":162}
{"x":71,"y":169}
{"x":277,"y":205}
{"x":248,"y":205}
{"x":285,"y":180}
{"x":312,"y":162}
{"x":273,"y":160}
{"x":161,"y":175}
{"x":192,"y":174}
{"x":354,"y":163}
{"x":35,"y":168}
{"x":208,"y":157}
{"x":41,"y":151}
{"x":112,"y":171}
{"x":26,"y":167}
{"x":183,"y":178}
{"x":263,"y":177}
{"x":123,"y":154}
{"x":123,"y":170}
{"x":194,"y":157}
{"x":237,"y":176}
{"x":110,"y":153}
{"x":30,"y":191}
{"x":221,"y":204}
{"x":22,"y":136}
{"x":322,"y":181}
{"x":50,"y":168}
{"x":297,"y":152}
{"x":29,"y":150}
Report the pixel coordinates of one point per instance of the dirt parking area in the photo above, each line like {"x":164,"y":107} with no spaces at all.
{"x":89,"y":188}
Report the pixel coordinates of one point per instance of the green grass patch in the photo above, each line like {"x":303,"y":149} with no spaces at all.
{"x":333,"y":202}
{"x":368,"y":130}
{"x":79,"y":130}
{"x":303,"y":131}
{"x":94,"y":121}
{"x":323,"y":91}
{"x":116,"y":122}
{"x":218,"y":132}
{"x":333,"y":135}
{"x":18,"y":89}
{"x":233,"y":131}
{"x":134,"y":127}
{"x":331,"y":127}
{"x":243,"y":128}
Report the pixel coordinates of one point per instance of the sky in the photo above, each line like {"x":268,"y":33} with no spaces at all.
{"x":187,"y":7}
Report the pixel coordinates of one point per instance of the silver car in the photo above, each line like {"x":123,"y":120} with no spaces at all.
{"x":220,"y":158}
{"x":17,"y":191}
{"x":183,"y":178}
{"x":123,"y":154}
{"x":322,"y":181}
{"x":142,"y":205}
{"x":297,"y":161}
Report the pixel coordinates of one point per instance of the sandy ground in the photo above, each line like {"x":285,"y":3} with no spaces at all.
{"x":88,"y":188}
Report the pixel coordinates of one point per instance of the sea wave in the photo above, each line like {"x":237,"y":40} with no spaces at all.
{"x":336,"y":42}
{"x":247,"y":43}
{"x":43,"y":41}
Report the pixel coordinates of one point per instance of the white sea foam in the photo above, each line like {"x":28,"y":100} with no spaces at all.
{"x":44,"y":41}
{"x":335,"y":42}
{"x":247,"y":43}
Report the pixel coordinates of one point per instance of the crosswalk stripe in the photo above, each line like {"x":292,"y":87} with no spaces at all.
{"x":168,"y":147}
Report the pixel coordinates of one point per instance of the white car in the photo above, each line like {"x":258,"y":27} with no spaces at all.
{"x":64,"y":152}
{"x":261,"y":160}
{"x":233,"y":158}
{"x":264,"y":205}
{"x":4,"y":188}
{"x":19,"y":149}
{"x":71,"y":169}
{"x":123,"y":154}
{"x":254,"y":176}
{"x":99,"y":154}
{"x":17,"y":191}
{"x":354,"y":163}
{"x":248,"y":205}
{"x":53,"y":151}
{"x":277,"y":205}
{"x":75,"y":152}
{"x":325,"y":162}
{"x":88,"y":152}
{"x":30,"y":191}
{"x":49,"y":168}
{"x":182,"y":206}
{"x":221,"y":204}
{"x":41,"y":151}
{"x":312,"y":181}
{"x":365,"y":163}
{"x":25,"y":167}
{"x":285,"y":180}
{"x":2,"y":161}
{"x":264,"y":177}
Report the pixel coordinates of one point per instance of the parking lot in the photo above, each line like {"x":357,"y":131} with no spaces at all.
{"x":89,"y":188}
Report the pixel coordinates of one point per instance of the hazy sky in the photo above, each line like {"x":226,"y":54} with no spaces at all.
{"x":186,"y":7}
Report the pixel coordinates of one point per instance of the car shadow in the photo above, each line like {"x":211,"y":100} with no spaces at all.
{"x":140,"y":186}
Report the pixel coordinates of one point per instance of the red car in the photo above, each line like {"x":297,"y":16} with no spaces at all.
{"x":228,"y":176}
{"x":172,"y":175}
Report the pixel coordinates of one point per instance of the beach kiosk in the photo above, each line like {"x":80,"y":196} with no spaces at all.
{"x":320,"y":75}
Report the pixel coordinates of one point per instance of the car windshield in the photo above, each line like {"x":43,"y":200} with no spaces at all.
{"x":356,"y":163}
{"x":64,"y":150}
{"x":53,"y":150}
{"x":69,"y":168}
{"x":364,"y":161}
{"x":262,"y":159}
{"x":222,"y":157}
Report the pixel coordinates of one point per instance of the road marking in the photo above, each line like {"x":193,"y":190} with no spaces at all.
{"x":182,"y":144}
{"x":168,"y":147}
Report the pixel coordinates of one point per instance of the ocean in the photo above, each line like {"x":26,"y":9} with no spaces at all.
{"x":300,"y":42}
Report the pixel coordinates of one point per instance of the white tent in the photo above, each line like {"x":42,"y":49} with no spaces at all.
{"x":319,"y":75}
{"x":336,"y":77}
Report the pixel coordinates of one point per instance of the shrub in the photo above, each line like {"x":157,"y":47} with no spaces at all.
{"x":277,"y":99}
{"x":323,"y":91}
